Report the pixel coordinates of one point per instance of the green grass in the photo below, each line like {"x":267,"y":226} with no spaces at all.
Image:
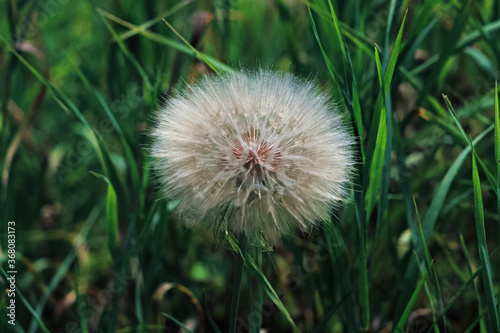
{"x":99,"y":251}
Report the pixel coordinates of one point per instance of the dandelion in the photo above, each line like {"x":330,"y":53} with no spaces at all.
{"x":255,"y":153}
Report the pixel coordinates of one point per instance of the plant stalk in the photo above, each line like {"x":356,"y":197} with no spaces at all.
{"x":238,"y":273}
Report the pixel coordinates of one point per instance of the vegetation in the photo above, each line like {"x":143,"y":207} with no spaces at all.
{"x":414,"y":248}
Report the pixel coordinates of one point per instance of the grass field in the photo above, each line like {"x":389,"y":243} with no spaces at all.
{"x":414,"y":248}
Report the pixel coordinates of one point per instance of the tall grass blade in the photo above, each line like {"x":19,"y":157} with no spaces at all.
{"x":200,"y":55}
{"x":166,"y":41}
{"x":259,"y":275}
{"x":209,"y":315}
{"x":455,"y":298}
{"x":400,"y":326}
{"x":238,"y":273}
{"x":111,"y":214}
{"x":489,"y":175}
{"x":181,"y":325}
{"x":497,"y":146}
{"x":129,"y":155}
{"x":65,"y":266}
{"x":492,"y":320}
{"x":331,"y":69}
{"x":429,"y":221}
{"x":375,"y":171}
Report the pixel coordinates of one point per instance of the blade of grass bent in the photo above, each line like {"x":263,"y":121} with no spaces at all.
{"x":254,"y":269}
{"x":476,"y":288}
{"x":349,"y":78}
{"x":455,"y":298}
{"x":166,"y":41}
{"x":377,"y":162}
{"x":111,"y":214}
{"x":155,"y":20}
{"x":329,"y":65}
{"x":390,"y":17}
{"x":126,"y":52}
{"x":238,"y":272}
{"x":430,"y":267}
{"x":489,"y":175}
{"x":388,"y":75}
{"x":65,"y":266}
{"x":67,"y":105}
{"x":352,"y":34}
{"x":198,"y":53}
{"x":178,"y":322}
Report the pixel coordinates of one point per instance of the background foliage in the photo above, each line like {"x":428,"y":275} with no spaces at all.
{"x":416,"y":244}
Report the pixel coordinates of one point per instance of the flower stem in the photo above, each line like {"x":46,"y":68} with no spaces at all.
{"x":255,"y":316}
{"x":238,"y":273}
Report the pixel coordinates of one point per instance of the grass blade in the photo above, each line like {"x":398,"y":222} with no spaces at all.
{"x":64,"y":267}
{"x":111,"y":214}
{"x":476,"y":289}
{"x":339,"y":253}
{"x":331,"y":69}
{"x":126,"y":52}
{"x":167,"y":41}
{"x":492,"y":320}
{"x":28,"y":306}
{"x":406,"y":313}
{"x":430,"y":267}
{"x":68,"y":106}
{"x":429,"y":221}
{"x":181,"y":325}
{"x":378,"y":139}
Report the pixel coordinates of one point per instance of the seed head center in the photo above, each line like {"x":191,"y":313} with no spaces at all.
{"x":255,"y":155}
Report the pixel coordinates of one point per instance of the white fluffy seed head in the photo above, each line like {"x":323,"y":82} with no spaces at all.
{"x":260,"y":153}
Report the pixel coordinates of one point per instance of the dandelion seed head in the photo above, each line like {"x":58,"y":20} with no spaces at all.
{"x":260,"y":153}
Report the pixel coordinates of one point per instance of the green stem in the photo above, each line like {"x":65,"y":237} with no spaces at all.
{"x":364,"y":284}
{"x":254,"y":322}
{"x":238,"y":273}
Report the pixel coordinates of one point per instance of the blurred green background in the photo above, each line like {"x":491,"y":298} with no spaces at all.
{"x":97,"y":251}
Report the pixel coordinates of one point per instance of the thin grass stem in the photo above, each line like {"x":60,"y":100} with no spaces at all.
{"x":238,"y":273}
